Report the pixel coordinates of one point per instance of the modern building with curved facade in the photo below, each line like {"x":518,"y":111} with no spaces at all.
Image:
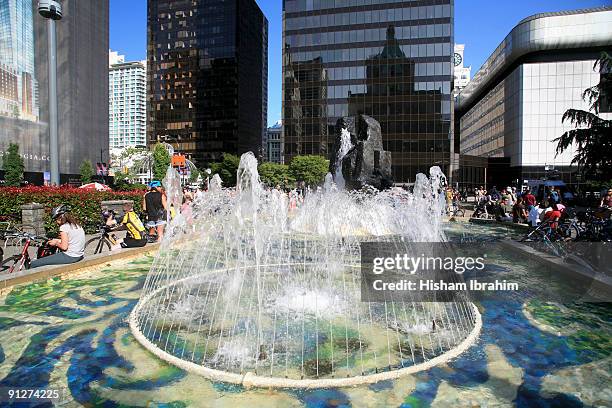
{"x":512,"y":109}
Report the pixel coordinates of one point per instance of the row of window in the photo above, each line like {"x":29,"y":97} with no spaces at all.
{"x":360,"y":54}
{"x":309,"y":5}
{"x":368,"y":16}
{"x":343,"y":91}
{"x":367,"y":35}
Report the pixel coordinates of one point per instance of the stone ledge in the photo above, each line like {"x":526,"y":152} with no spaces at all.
{"x":601,"y":284}
{"x":48,"y":272}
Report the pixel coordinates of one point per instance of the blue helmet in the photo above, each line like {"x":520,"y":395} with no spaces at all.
{"x":154,"y":184}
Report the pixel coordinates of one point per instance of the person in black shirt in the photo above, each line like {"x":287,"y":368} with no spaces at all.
{"x":155,"y":206}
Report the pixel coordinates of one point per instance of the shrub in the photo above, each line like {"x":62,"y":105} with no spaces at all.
{"x":85,"y":204}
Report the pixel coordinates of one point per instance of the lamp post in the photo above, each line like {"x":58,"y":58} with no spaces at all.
{"x":52,"y":11}
{"x":102,"y":161}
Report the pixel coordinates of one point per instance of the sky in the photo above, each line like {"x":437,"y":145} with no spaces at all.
{"x":479,"y":24}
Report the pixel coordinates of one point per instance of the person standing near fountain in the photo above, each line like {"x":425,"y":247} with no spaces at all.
{"x":155,"y":206}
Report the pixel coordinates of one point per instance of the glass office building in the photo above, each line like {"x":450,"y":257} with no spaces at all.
{"x":82,"y":85}
{"x":18,"y":86}
{"x":514,"y":105}
{"x":207,"y":76}
{"x":385,"y":58}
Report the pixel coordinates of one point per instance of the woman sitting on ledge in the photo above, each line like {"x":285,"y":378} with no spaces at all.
{"x":71,"y":242}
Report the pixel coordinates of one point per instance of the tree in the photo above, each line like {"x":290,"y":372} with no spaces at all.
{"x":161,"y":162}
{"x":13,"y":166}
{"x":86,"y":171}
{"x":274,"y":174}
{"x":309,"y":169}
{"x":592,"y":137}
{"x":226,"y":169}
{"x":193,"y":177}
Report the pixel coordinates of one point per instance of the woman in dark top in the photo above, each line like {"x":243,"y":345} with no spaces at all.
{"x":519,"y":213}
{"x":154,"y":205}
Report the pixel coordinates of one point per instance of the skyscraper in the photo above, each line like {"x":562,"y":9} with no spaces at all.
{"x":127,"y":107}
{"x":82,"y":81}
{"x":19,"y":87}
{"x":390,"y":60}
{"x":207,"y":70}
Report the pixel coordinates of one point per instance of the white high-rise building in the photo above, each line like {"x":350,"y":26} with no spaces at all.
{"x":462,"y":73}
{"x":127,"y":102}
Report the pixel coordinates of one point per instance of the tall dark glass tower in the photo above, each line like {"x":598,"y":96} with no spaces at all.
{"x":207,"y":76}
{"x":386,"y":58}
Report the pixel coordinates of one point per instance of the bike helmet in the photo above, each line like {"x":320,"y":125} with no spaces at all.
{"x":61,"y":210}
{"x":154,"y":184}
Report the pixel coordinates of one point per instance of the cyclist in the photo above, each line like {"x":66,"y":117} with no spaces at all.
{"x":71,"y":242}
{"x":136,"y":232}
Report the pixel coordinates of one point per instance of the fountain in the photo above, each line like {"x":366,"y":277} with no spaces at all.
{"x":252,"y":294}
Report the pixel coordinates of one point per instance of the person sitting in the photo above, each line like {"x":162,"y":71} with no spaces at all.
{"x":519,"y":213}
{"x":553,"y":216}
{"x":136,"y":232}
{"x":534,"y":215}
{"x":71,"y":242}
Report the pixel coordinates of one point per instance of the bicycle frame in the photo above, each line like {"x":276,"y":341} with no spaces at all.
{"x":24,"y":257}
{"x":105,"y":235}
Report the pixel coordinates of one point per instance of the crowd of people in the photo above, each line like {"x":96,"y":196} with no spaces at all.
{"x":523,"y":207}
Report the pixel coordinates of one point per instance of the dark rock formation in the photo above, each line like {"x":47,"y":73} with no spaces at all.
{"x":366,"y":163}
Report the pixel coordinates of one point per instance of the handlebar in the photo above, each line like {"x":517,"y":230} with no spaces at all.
{"x":25,"y":235}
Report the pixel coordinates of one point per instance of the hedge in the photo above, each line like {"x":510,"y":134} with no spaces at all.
{"x":85,"y":204}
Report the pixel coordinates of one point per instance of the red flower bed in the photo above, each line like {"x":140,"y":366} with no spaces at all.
{"x":85,"y":204}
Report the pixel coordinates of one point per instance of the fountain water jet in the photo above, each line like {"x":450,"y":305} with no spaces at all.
{"x":252,"y":294}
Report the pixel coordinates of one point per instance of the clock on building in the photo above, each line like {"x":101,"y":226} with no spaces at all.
{"x":457,"y":59}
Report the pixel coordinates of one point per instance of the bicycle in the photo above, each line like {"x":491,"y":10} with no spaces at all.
{"x":102,"y":241}
{"x":455,"y":211}
{"x":22,"y":260}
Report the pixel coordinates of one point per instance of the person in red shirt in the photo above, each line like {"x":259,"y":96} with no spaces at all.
{"x":529,"y":198}
{"x":553,"y":216}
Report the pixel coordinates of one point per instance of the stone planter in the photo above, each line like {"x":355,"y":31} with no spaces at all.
{"x":33,"y":218}
{"x":116,"y":205}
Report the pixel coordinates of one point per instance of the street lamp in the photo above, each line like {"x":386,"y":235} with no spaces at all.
{"x":52,"y":11}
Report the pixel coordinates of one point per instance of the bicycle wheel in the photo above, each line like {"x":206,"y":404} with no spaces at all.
{"x":97,"y":245}
{"x":571,"y":232}
{"x":10,"y":263}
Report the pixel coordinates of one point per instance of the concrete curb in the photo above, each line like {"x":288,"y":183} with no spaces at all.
{"x":601,"y":283}
{"x":518,"y":227}
{"x":48,"y":272}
